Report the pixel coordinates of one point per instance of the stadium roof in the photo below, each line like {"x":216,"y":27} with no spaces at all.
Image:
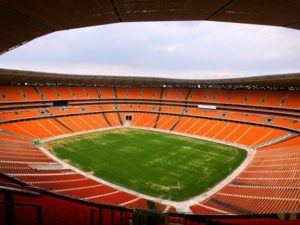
{"x":18,"y":76}
{"x":22,"y":21}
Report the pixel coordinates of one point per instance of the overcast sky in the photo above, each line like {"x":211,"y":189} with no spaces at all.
{"x":163,"y":49}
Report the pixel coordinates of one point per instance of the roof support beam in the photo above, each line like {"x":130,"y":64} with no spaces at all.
{"x":220,"y":9}
{"x":115,"y":9}
{"x":29,"y":17}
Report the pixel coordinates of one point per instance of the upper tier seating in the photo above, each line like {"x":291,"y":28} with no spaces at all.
{"x":275,"y":99}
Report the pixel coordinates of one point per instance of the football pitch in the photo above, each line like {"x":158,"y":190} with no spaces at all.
{"x":162,"y":165}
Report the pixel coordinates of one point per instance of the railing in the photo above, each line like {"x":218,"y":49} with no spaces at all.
{"x":21,"y":204}
{"x":10,"y":203}
{"x":63,"y":210}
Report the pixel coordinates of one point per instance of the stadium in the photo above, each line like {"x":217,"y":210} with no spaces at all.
{"x":111,"y":150}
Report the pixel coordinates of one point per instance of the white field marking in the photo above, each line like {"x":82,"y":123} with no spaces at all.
{"x":211,"y":153}
{"x":208,"y":153}
{"x":223,"y":183}
{"x":183,"y":206}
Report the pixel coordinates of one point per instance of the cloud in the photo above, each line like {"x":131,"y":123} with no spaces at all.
{"x":168,"y":49}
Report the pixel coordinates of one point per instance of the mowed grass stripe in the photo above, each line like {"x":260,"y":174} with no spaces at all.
{"x":153,"y":163}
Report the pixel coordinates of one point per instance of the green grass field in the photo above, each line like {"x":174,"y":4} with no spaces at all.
{"x":153,"y":163}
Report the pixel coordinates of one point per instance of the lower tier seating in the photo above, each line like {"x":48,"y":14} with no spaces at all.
{"x":270,"y":183}
{"x":19,"y":159}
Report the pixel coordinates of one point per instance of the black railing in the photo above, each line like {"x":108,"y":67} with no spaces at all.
{"x":10,"y":204}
